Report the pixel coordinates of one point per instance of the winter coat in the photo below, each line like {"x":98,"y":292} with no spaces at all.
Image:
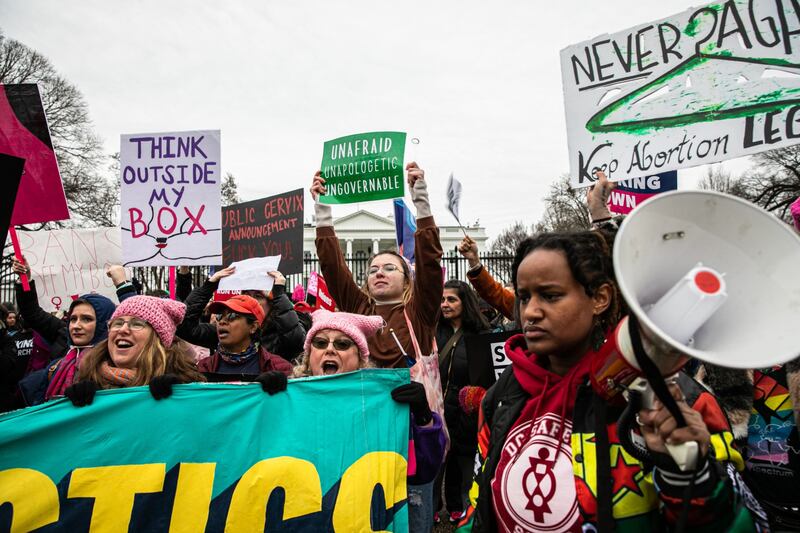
{"x":642,"y":498}
{"x":267,"y":362}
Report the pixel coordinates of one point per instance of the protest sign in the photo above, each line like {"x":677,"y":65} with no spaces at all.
{"x":405,"y":225}
{"x":251,"y":274}
{"x":70,"y":262}
{"x":363,"y":167}
{"x":328,"y":454}
{"x":170,"y":198}
{"x":709,"y":84}
{"x":492,"y":345}
{"x":11,"y":169}
{"x":24,"y":133}
{"x":632,"y":192}
{"x":269,"y":226}
{"x":317,"y":292}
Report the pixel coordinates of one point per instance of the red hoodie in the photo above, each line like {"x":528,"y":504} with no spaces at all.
{"x":534,"y":487}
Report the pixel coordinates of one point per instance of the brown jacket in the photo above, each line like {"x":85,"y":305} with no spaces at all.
{"x":492,"y":291}
{"x":422,"y":309}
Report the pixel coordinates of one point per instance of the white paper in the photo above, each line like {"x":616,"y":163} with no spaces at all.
{"x":709,"y":84}
{"x":251,"y":274}
{"x":70,"y":262}
{"x":453,"y":196}
{"x":170,"y":198}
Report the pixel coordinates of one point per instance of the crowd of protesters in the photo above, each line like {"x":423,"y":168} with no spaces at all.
{"x":537,"y":449}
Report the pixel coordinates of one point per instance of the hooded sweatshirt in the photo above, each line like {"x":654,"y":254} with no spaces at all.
{"x":67,"y":369}
{"x":534,"y":485}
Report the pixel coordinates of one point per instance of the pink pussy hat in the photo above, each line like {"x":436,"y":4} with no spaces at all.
{"x":163,"y":315}
{"x":357,"y":327}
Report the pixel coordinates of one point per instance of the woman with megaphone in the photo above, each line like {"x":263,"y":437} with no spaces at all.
{"x":551,"y":458}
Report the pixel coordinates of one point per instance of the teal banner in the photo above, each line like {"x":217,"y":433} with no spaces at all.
{"x":329,"y":454}
{"x":363,"y":167}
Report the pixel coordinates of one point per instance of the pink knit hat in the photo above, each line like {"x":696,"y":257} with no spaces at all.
{"x":357,"y":327}
{"x":162,"y":314}
{"x":795,"y":209}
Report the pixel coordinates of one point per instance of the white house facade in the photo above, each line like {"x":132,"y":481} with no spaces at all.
{"x":363,"y":232}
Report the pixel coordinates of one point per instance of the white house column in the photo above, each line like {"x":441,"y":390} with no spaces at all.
{"x":375,"y":246}
{"x":349,"y":247}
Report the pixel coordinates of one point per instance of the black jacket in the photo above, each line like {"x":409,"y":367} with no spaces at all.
{"x":52,"y":330}
{"x":285,"y":337}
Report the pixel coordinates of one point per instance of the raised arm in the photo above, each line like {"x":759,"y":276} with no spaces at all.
{"x":485,"y":285}
{"x":345,"y":292}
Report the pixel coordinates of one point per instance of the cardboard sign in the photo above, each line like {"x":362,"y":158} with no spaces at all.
{"x":706,"y":85}
{"x":24,"y":133}
{"x":328,"y":454}
{"x":70,"y":262}
{"x":630,"y":193}
{"x":264,"y":227}
{"x":492,"y":343}
{"x":170,"y":198}
{"x":363,"y":167}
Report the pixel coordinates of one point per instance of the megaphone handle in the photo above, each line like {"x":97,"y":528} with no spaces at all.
{"x":651,"y":372}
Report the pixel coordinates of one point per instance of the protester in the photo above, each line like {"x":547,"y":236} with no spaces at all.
{"x":761,"y":405}
{"x":338,"y":343}
{"x":464,"y":382}
{"x":282,"y":332}
{"x":234,"y":341}
{"x":545,"y":462}
{"x":87,"y":326}
{"x":141,"y":349}
{"x":409,"y":304}
{"x":12,"y":367}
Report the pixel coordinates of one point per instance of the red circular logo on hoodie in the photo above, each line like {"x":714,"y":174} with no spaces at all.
{"x":534,"y":484}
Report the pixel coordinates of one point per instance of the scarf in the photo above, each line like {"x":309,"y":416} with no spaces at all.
{"x":120,"y":377}
{"x":64,"y":372}
{"x":238,"y":358}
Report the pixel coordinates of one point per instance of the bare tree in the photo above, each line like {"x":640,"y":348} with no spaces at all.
{"x":565,"y":208}
{"x":719,"y":180}
{"x":507,"y":242}
{"x":774,"y":182}
{"x":230,"y":194}
{"x":77,"y":147}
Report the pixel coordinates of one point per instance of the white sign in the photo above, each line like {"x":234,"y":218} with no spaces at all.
{"x":709,"y":84}
{"x":251,"y":274}
{"x":70,"y":262}
{"x":170,"y":198}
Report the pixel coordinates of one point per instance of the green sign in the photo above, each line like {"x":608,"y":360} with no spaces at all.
{"x":329,"y":454}
{"x":363,"y":167}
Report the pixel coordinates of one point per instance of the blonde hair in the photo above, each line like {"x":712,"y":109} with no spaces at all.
{"x":408,"y":288}
{"x":303,"y":370}
{"x":154,"y":360}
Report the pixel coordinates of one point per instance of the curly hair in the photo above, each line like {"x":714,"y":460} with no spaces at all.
{"x":588,"y":255}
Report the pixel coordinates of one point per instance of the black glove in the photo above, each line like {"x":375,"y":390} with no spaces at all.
{"x":414,"y":395}
{"x":273,"y":381}
{"x":82,"y":392}
{"x":161,"y":386}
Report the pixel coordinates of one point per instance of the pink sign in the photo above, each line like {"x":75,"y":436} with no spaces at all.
{"x":24,"y":133}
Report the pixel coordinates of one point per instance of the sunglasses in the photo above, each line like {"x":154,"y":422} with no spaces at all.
{"x":231,"y":316}
{"x":339,"y":345}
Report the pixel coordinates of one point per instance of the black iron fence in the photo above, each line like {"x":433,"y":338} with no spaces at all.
{"x":157,"y":278}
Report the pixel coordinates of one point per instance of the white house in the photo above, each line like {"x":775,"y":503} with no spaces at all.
{"x":362,"y":233}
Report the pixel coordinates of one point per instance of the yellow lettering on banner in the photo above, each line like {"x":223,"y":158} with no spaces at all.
{"x":113,"y":489}
{"x":352,"y":510}
{"x":33,"y":497}
{"x":192,"y":497}
{"x":299,"y":480}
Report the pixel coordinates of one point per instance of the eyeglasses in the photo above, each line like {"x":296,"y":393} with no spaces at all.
{"x":340,"y":345}
{"x":133,"y":324}
{"x":231,"y":316}
{"x":388,"y":268}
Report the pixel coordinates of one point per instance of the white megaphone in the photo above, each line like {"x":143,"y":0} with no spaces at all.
{"x":709,"y":276}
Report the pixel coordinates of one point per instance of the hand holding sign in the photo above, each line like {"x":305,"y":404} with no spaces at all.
{"x":222,"y":273}
{"x":597,"y":197}
{"x":251,"y":274}
{"x":318,"y":186}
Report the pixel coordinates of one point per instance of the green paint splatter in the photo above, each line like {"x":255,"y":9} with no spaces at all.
{"x":691,"y":29}
{"x":773,"y":101}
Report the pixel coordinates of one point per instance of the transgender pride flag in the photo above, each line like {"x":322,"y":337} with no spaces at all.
{"x":405,"y":225}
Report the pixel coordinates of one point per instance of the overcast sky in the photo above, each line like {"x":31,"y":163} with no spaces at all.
{"x":478,"y":83}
